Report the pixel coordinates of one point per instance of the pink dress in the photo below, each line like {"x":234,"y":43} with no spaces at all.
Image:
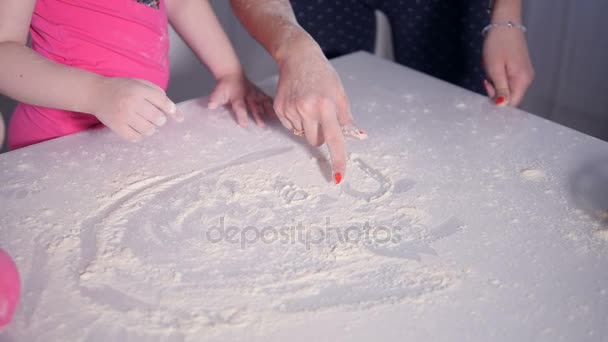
{"x":116,"y":38}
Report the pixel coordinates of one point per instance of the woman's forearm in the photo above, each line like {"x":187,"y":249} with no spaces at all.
{"x":273,"y":24}
{"x":30,"y":78}
{"x":310,"y":99}
{"x":507,"y":10}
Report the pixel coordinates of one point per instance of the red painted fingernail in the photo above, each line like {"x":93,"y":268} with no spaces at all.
{"x":362,"y":131}
{"x":500,"y":100}
{"x":338,"y":177}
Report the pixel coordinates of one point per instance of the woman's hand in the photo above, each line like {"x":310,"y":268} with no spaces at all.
{"x":311,"y":99}
{"x":132,"y":108}
{"x":238,"y":92}
{"x":507,"y":63}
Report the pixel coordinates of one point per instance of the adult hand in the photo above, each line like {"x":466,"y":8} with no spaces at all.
{"x":132,"y":108}
{"x":507,"y":63}
{"x":311,"y":99}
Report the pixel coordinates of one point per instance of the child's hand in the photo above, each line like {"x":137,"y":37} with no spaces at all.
{"x":241,"y":94}
{"x":132,"y":108}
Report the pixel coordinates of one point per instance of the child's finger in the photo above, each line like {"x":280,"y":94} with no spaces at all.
{"x":158,"y":97}
{"x":256,"y":111}
{"x":127,"y":132}
{"x":162,"y":102}
{"x":240,"y":111}
{"x":268,"y":108}
{"x":141,"y":125}
{"x":152,"y":114}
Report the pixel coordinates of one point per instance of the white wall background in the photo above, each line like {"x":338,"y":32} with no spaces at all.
{"x":568,"y":45}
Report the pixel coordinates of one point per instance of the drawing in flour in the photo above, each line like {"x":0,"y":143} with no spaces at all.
{"x":196,"y":284}
{"x":384,"y":184}
{"x":414,"y":248}
{"x":290,"y":192}
{"x":403,"y":185}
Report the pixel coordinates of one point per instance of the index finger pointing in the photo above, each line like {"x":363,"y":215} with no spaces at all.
{"x":335,"y":142}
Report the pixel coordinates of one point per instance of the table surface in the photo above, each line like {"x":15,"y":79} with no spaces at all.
{"x":457,"y":221}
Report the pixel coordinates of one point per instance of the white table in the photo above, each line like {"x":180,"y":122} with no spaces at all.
{"x":494,"y":218}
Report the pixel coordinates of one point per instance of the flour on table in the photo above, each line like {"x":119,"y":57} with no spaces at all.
{"x":532,"y":174}
{"x":223,"y":233}
{"x":156,"y":258}
{"x":601,"y":234}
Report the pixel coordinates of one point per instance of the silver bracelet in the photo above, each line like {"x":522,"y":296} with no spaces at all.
{"x":507,"y":24}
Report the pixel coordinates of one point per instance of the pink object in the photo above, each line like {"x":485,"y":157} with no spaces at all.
{"x":10,"y":288}
{"x":115,"y":38}
{"x":1,"y":129}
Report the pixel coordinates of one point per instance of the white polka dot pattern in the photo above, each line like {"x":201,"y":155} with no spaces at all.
{"x":438,"y":37}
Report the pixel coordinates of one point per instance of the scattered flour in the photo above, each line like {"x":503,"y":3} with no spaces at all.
{"x":532,"y":174}
{"x":239,"y":245}
{"x":601,"y":234}
{"x":156,"y":257}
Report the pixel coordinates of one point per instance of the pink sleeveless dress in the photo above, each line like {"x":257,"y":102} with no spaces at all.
{"x":116,"y":38}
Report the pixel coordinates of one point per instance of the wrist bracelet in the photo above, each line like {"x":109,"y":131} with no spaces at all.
{"x":506,"y":24}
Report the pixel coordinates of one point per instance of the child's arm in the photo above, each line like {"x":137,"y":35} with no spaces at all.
{"x":198,"y":26}
{"x":30,"y":78}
